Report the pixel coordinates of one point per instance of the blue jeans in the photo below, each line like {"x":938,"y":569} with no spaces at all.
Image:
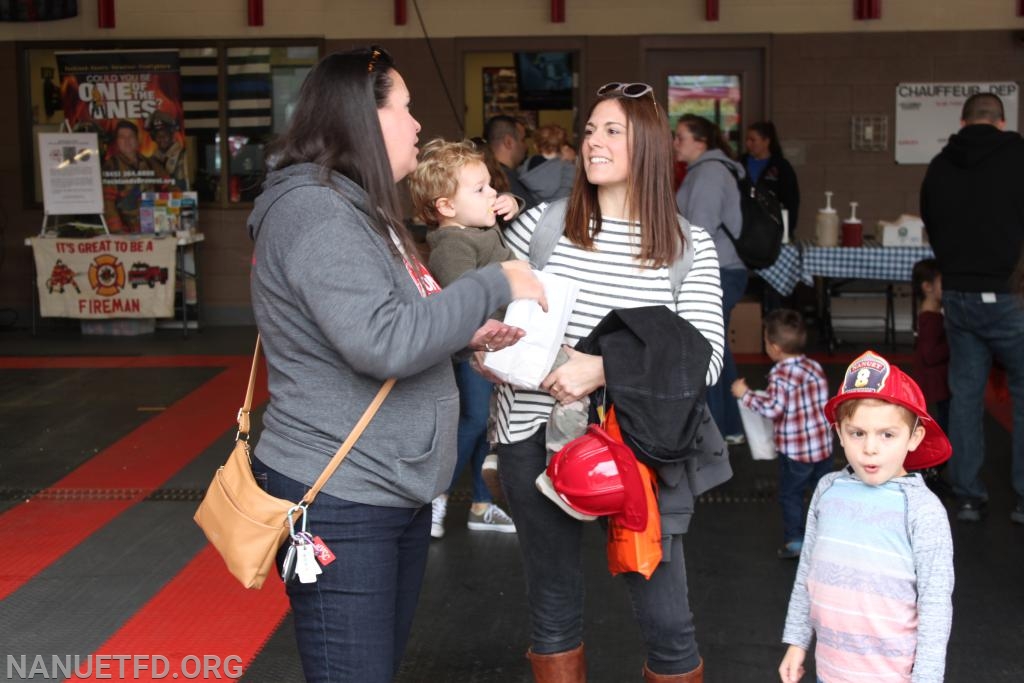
{"x":474,"y":408}
{"x":976,"y":332}
{"x":940,"y":411}
{"x":721,"y":402}
{"x":353,"y":624}
{"x":795,"y":478}
{"x":549,"y":542}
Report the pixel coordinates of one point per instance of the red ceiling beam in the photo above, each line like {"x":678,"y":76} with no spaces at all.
{"x":105,"y":14}
{"x":558,"y":11}
{"x":711,"y":10}
{"x":867,"y":9}
{"x":401,"y":8}
{"x":255,"y":8}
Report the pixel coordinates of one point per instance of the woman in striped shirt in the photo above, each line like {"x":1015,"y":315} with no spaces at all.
{"x":621,"y":235}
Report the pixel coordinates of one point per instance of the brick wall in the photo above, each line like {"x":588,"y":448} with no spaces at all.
{"x":818,"y":81}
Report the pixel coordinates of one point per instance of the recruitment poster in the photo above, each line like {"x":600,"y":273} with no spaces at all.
{"x":113,"y":276}
{"x":132,"y":100}
{"x":928,"y":113}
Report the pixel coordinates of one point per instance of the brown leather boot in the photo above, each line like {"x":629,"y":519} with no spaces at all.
{"x":560,"y":667}
{"x":695,"y":676}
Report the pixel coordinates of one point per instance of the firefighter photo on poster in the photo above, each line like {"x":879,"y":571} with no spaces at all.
{"x":132,"y":100}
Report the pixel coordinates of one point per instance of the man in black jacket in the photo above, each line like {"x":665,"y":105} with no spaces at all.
{"x":973,"y":208}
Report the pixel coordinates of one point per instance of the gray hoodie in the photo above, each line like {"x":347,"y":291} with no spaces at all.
{"x":549,"y":180}
{"x":338,"y":314}
{"x":866,"y":563}
{"x":710,"y":198}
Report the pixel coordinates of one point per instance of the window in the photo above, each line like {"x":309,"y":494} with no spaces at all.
{"x":236,"y":98}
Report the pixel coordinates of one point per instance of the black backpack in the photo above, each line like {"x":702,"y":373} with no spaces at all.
{"x":760,"y":241}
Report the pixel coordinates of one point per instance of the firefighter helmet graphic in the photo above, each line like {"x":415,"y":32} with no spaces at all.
{"x":106,"y":275}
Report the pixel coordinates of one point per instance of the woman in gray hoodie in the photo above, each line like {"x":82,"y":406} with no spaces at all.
{"x":342,"y":303}
{"x":709,"y":197}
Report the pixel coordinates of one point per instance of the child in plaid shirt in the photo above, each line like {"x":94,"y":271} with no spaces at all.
{"x":794,"y":401}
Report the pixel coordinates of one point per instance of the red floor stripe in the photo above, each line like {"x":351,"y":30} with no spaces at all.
{"x":149,"y":455}
{"x":203,"y":612}
{"x":999,"y":407}
{"x":62,"y":524}
{"x":143,"y":460}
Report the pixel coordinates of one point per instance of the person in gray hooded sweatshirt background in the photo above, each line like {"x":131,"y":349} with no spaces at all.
{"x":550,"y":173}
{"x":709,"y":197}
{"x":342,"y":303}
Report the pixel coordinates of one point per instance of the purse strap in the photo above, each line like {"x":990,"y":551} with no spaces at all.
{"x":346,"y":446}
{"x":353,"y":436}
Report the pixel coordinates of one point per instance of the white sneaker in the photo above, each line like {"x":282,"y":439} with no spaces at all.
{"x":438,"y":509}
{"x":492,"y":519}
{"x":735,"y":439}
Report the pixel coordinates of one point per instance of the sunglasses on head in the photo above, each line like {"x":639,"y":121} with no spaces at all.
{"x":633,"y":90}
{"x":375,"y":54}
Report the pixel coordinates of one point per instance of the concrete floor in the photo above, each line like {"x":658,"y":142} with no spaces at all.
{"x":68,"y":401}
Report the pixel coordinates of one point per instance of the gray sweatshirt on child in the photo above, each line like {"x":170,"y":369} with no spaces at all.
{"x":877,"y":563}
{"x":339,"y":313}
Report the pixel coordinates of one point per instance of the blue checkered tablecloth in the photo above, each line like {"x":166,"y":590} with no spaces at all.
{"x":803,"y":262}
{"x":870,"y":262}
{"x":785,"y":272}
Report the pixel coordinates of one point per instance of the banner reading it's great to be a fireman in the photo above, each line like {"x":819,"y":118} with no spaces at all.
{"x":105,"y":277}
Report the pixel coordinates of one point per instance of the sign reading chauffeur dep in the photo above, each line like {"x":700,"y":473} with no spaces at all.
{"x":928,"y":113}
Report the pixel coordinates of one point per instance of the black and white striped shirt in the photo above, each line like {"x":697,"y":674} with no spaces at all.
{"x":609,"y":278}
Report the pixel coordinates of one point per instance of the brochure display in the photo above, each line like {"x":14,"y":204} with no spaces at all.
{"x":122,"y":158}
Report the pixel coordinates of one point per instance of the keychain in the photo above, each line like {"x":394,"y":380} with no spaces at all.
{"x":305,"y":552}
{"x":290,"y":565}
{"x":306,"y":565}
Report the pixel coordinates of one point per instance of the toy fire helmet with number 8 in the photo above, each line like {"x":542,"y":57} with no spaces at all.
{"x":871,"y":376}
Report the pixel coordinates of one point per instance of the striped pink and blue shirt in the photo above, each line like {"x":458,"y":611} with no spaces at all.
{"x":875,"y":582}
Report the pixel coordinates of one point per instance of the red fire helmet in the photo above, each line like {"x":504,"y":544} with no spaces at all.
{"x":597,"y":475}
{"x":871,"y":376}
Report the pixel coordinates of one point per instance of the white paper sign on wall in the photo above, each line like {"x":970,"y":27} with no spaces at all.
{"x":928,"y":113}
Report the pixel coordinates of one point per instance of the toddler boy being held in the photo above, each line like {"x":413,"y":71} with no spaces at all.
{"x":794,"y":401}
{"x":451,"y":192}
{"x":875,"y":579}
